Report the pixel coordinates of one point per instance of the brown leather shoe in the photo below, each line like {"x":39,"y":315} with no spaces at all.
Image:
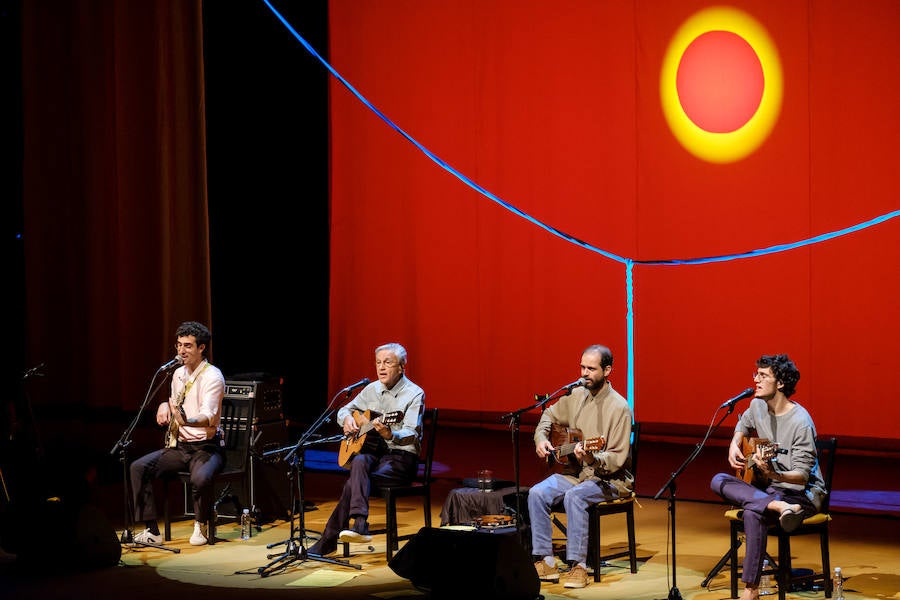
{"x":577,"y":577}
{"x":545,"y":572}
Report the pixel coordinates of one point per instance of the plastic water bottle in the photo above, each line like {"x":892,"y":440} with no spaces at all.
{"x":246,"y":524}
{"x":838,"y":592}
{"x":765,"y":581}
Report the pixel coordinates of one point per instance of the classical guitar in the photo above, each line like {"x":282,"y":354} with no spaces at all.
{"x":749,"y":473}
{"x":358,"y":442}
{"x":564,"y":440}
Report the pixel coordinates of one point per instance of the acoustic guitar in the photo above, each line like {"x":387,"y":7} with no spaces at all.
{"x":171,"y":438}
{"x":564,"y":440}
{"x":749,"y":473}
{"x":359,"y":442}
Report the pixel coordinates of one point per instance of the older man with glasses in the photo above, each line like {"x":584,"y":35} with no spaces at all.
{"x":390,"y":411}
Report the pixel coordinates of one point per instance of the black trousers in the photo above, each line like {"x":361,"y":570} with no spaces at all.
{"x":394,"y":468}
{"x":204,"y":460}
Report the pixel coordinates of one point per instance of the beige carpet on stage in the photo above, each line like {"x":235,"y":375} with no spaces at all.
{"x":865,"y":547}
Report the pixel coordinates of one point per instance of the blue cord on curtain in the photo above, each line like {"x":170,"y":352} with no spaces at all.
{"x":628,"y":262}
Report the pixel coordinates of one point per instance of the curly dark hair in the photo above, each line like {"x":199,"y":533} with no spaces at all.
{"x":784,"y":370}
{"x":198,"y":330}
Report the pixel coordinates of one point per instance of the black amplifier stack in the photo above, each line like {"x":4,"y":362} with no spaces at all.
{"x":268,"y":405}
{"x":269,"y":483}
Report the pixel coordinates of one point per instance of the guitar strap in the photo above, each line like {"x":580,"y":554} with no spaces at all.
{"x":190,"y":384}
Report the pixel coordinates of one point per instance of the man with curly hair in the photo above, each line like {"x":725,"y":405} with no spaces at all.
{"x":787,"y":485}
{"x":193,"y":441}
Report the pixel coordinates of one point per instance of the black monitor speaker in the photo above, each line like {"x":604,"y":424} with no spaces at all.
{"x":449,"y":563}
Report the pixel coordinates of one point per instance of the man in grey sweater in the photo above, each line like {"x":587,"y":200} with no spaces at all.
{"x":781,"y":480}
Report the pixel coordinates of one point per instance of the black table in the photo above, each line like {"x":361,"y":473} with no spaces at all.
{"x":465,"y":504}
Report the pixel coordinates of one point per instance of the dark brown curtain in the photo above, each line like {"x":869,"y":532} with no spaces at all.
{"x":115,"y":203}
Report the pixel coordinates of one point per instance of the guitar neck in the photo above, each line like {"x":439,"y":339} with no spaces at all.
{"x":365,"y":428}
{"x":566,"y":449}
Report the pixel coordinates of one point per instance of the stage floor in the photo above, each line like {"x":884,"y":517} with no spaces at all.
{"x":865,"y":547}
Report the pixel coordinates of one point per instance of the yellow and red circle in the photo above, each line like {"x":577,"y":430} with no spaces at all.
{"x":721,"y":85}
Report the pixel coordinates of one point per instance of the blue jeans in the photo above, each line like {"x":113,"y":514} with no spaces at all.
{"x":576,"y":499}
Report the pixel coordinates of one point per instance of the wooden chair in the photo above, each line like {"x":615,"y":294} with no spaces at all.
{"x":420,"y":487}
{"x":237,"y":424}
{"x":817,"y":524}
{"x":610,"y":507}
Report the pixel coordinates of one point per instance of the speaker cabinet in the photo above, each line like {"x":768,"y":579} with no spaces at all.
{"x":266,"y":485}
{"x":449,"y":563}
{"x":267,"y":490}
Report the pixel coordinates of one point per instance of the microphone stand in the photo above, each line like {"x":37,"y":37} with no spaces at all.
{"x":35,"y":445}
{"x":515,"y":420}
{"x":295,"y":549}
{"x":38,"y":445}
{"x":127,"y":537}
{"x":674,"y":594}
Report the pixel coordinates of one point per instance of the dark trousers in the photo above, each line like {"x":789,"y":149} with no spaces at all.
{"x":394,"y":468}
{"x":204,"y":460}
{"x":757,"y":519}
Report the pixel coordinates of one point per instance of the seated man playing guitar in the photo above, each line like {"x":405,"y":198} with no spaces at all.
{"x":382,"y":433}
{"x":192,"y":441}
{"x":773,"y":452}
{"x":595,"y":426}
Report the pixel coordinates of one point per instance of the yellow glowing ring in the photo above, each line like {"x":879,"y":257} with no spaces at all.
{"x":733,"y":145}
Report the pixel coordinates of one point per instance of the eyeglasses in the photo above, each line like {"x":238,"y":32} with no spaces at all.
{"x":388,"y":362}
{"x":762,"y":376}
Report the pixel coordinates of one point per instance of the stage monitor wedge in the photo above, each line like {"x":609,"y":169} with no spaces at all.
{"x":449,"y":563}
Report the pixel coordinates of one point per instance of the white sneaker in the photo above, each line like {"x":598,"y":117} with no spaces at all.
{"x":354,"y":537}
{"x":145,"y":537}
{"x":198,"y":538}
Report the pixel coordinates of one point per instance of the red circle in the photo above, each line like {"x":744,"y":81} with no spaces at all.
{"x":719,"y":81}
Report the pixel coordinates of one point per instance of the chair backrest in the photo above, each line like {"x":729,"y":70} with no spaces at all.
{"x":426,"y":453}
{"x":237,"y":425}
{"x":635,"y":444}
{"x":825,"y":450}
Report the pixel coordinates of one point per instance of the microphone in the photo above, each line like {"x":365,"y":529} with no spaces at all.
{"x":360,"y":383}
{"x":566,"y":389}
{"x":34,"y":372}
{"x":745,"y":394}
{"x":172,"y":364}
